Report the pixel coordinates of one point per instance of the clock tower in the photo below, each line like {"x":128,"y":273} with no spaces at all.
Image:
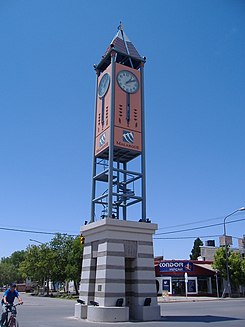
{"x":119,"y":132}
{"x":118,"y":275}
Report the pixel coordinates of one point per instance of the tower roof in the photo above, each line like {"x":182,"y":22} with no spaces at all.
{"x":126,"y":51}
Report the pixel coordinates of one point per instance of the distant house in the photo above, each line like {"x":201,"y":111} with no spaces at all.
{"x":202,"y":278}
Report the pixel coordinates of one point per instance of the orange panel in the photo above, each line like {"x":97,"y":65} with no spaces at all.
{"x":134,"y":124}
{"x":102,"y":142}
{"x":99,"y":126}
{"x":127,"y":132}
{"x":127,"y":139}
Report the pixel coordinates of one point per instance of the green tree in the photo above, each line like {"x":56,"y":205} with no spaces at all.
{"x":74,"y":265}
{"x":195,"y":252}
{"x":243,"y":271}
{"x":220,"y":262}
{"x":17,"y":257}
{"x":236,"y":266}
{"x":56,"y":261}
{"x":7,"y":273}
{"x":61,"y":246}
{"x":10,"y":268}
{"x":38,"y":264}
{"x":235,"y":269}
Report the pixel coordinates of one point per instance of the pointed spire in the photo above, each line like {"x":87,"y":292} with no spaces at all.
{"x":126,"y":51}
{"x":120,"y":27}
{"x":122,"y":44}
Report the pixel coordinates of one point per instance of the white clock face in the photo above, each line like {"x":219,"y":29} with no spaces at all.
{"x":104,"y":85}
{"x":127,"y":81}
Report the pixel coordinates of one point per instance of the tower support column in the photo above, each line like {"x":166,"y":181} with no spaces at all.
{"x":143,"y":165}
{"x":111,"y":148}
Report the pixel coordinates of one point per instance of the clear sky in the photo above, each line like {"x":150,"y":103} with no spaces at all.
{"x":194,"y":94}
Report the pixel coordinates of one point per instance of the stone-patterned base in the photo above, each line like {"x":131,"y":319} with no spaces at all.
{"x":118,"y":264}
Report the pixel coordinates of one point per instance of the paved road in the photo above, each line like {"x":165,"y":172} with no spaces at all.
{"x":225,"y":313}
{"x":49,"y":312}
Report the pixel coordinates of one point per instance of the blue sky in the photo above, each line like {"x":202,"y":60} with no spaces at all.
{"x":194,"y":94}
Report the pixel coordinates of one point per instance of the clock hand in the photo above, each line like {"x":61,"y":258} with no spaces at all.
{"x":130,"y":81}
{"x":128,"y":108}
{"x":103,"y":111}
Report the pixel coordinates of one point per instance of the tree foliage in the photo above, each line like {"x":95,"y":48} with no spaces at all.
{"x":7,"y":273}
{"x":38,"y":263}
{"x":10,"y":268}
{"x":59,"y":260}
{"x":60,"y":245}
{"x":74,"y":265}
{"x":220,"y":262}
{"x":195,"y":252}
{"x":236,"y":266}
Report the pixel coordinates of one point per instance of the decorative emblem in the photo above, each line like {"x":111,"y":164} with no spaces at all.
{"x":102,"y":139}
{"x":128,"y":137}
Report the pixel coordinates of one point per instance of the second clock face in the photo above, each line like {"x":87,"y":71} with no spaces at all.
{"x":104,"y":85}
{"x":127,"y":81}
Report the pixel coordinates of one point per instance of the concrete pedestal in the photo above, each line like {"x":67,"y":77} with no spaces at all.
{"x":81,"y":311}
{"x":118,"y":263}
{"x":108,"y":314}
{"x":146,"y":313}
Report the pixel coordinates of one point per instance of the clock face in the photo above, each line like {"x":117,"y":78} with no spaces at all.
{"x":127,"y":81}
{"x":104,"y":85}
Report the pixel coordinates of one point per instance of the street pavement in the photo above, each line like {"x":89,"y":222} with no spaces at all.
{"x":176,"y":312}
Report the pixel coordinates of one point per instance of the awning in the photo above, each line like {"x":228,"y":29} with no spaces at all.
{"x":205,"y":266}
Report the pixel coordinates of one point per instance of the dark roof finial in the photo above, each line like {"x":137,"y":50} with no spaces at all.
{"x":120,"y":27}
{"x":125,"y":49}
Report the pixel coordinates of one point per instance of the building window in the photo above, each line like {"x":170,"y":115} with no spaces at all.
{"x":191,"y":286}
{"x":166,"y":285}
{"x":202,"y":285}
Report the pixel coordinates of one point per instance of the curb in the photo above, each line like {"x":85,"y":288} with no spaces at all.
{"x":191,"y":299}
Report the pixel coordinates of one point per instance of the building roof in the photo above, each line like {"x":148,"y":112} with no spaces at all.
{"x":122,"y":44}
{"x":207,"y":266}
{"x":126,"y":52}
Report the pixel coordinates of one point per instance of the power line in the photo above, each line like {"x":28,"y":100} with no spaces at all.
{"x":193,"y":223}
{"x":163,"y":233}
{"x":184,"y":237}
{"x":200,"y":227}
{"x":190,"y":237}
{"x":34,"y":232}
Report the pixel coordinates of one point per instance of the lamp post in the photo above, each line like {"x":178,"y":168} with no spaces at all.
{"x":217,"y":282}
{"x":226,"y":250}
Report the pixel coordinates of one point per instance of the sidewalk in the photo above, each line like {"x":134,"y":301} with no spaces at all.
{"x":172,"y":299}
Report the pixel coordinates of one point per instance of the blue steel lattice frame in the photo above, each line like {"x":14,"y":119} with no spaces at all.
{"x":115,"y":172}
{"x":143,"y":166}
{"x":92,"y":214}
